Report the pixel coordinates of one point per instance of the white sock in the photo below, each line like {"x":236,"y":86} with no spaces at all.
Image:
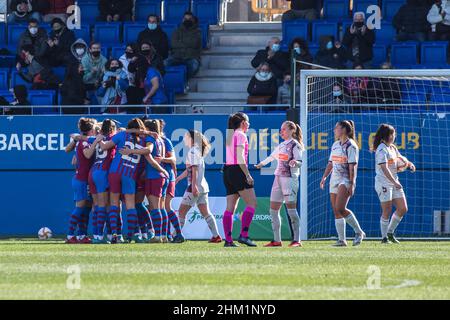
{"x":276,"y":224}
{"x":100,"y":238}
{"x":211,"y":221}
{"x":353,"y":222}
{"x":340,"y":228}
{"x":295,"y":220}
{"x":384,"y":227}
{"x":395,"y":220}
{"x":109,"y":237}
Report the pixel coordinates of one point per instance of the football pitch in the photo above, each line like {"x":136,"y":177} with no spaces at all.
{"x":197,"y":270}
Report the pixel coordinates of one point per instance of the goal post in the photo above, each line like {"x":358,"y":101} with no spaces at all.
{"x":417,"y":104}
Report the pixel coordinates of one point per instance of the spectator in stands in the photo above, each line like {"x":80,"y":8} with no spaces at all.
{"x":57,"y":9}
{"x":411,"y":21}
{"x":114,"y":86}
{"x":20,"y":93}
{"x":263,"y":88}
{"x":154,"y":89}
{"x":24,"y":10}
{"x":73,"y":91}
{"x":301,"y":50}
{"x":156,"y":36}
{"x":38,"y":73}
{"x":302,"y":9}
{"x":34,"y":36}
{"x":277,"y":60}
{"x":359,"y":40}
{"x":125,"y":60}
{"x":337,"y":101}
{"x":153,"y":58}
{"x":439,"y":18}
{"x":384,"y":90}
{"x":115,"y":10}
{"x":356,"y":87}
{"x":79,"y":49}
{"x":331,"y":53}
{"x":94,"y":68}
{"x":186,"y":45}
{"x":59,"y":44}
{"x":284,"y":91}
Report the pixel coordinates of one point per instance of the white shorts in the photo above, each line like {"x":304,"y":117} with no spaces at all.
{"x":190,"y":200}
{"x":388,"y":192}
{"x":284,"y":189}
{"x":334,"y":184}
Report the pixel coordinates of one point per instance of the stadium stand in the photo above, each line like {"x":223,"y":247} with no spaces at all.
{"x":207,"y":11}
{"x":146,"y":7}
{"x":324,"y":28}
{"x":4,"y":79}
{"x":403,"y":55}
{"x":336,"y":9}
{"x":174,"y":10}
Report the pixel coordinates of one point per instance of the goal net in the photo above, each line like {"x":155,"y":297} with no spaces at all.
{"x":417,"y":104}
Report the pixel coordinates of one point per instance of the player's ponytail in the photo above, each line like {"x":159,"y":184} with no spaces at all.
{"x":85,"y":125}
{"x":234,"y":122}
{"x":201,"y":141}
{"x":383,"y":133}
{"x":153,"y":126}
{"x":297,"y":134}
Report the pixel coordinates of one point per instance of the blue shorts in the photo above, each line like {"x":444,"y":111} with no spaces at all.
{"x":80,"y":190}
{"x":119,"y":183}
{"x":100,"y":179}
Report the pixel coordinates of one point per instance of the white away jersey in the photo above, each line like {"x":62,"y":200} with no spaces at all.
{"x":284,"y":153}
{"x":389,"y":155}
{"x":194,"y":158}
{"x":341,"y":156}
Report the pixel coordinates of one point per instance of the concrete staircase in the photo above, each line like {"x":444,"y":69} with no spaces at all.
{"x":225,"y":69}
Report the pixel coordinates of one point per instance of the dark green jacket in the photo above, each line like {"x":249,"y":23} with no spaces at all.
{"x":187,"y":43}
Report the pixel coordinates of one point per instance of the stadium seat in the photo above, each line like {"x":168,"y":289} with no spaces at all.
{"x":433,"y":52}
{"x":379,"y":54}
{"x":42,"y":98}
{"x":390,"y":8}
{"x":443,"y":98}
{"x":313,"y":49}
{"x":207,"y":11}
{"x":7,"y":61}
{"x":105,"y":51}
{"x":324,"y":28}
{"x":89,"y":12}
{"x":14,"y":32}
{"x":295,"y":29}
{"x":107,"y":33}
{"x":117,"y":52}
{"x":4,"y":79}
{"x":83,"y":33}
{"x":174,"y":10}
{"x":404,"y":54}
{"x":175,"y":78}
{"x":60,"y":72}
{"x":16,"y":79}
{"x":362,"y":5}
{"x":8,"y":95}
{"x":169,"y":28}
{"x":146,"y":7}
{"x":336,"y":9}
{"x":417,"y":99}
{"x":386,"y":34}
{"x":2,"y":33}
{"x":131,"y":31}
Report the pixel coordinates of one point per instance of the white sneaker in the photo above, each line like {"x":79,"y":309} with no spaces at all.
{"x":358,"y":239}
{"x":340,"y":243}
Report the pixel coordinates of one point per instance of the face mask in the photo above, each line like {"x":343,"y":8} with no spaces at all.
{"x":188,"y":23}
{"x":95,"y":53}
{"x":275,"y":47}
{"x":145,"y":52}
{"x":152,"y":26}
{"x":33,"y":30}
{"x":57,"y":28}
{"x":263,"y":74}
{"x":129,"y":55}
{"x":288,"y":82}
{"x":337,"y":93}
{"x":329,"y":45}
{"x":298,"y":50}
{"x":79,"y":51}
{"x":359,"y":24}
{"x":114,"y":69}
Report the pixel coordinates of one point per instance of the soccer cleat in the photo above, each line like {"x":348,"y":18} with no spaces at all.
{"x":217,"y":239}
{"x":358,"y":239}
{"x":155,"y":239}
{"x":386,"y":241}
{"x":150,"y":235}
{"x":136,"y":239}
{"x":295,"y":244}
{"x":392,"y":239}
{"x":114,"y":239}
{"x":120,"y":239}
{"x":72,"y":240}
{"x":96,"y":241}
{"x":178,"y":239}
{"x":85,"y":240}
{"x":273,"y":244}
{"x":164,"y":239}
{"x":230,"y":244}
{"x":340,"y":243}
{"x":246,"y":241}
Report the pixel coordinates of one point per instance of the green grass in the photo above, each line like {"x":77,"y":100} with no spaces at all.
{"x":198,"y":270}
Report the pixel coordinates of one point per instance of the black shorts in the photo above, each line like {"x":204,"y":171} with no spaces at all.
{"x":234,"y":179}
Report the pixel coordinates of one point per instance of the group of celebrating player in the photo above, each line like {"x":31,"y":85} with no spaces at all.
{"x":127,"y":165}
